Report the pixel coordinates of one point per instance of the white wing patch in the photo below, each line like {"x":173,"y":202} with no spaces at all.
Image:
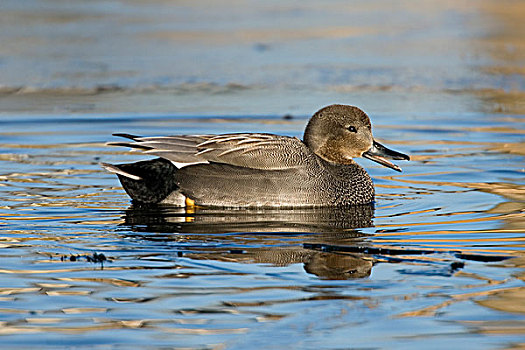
{"x":179,"y":165}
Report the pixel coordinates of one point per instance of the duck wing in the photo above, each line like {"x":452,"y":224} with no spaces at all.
{"x":250,"y":150}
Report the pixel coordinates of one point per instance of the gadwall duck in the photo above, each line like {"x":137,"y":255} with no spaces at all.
{"x":258,"y":169}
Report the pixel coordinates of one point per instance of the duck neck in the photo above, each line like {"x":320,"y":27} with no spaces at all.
{"x":326,"y":152}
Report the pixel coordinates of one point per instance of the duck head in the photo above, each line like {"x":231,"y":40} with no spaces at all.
{"x":338,"y":133}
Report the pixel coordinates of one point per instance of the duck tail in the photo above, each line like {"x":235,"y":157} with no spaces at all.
{"x":148,"y":181}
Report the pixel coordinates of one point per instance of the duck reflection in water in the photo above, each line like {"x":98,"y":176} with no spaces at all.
{"x":301,"y":228}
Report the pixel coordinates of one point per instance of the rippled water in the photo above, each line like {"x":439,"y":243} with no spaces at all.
{"x":438,"y":263}
{"x":441,"y":256}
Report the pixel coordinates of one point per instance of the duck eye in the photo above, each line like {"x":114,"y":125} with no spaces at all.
{"x":352,"y":128}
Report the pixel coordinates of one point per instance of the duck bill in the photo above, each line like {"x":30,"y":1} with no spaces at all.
{"x":380,"y":154}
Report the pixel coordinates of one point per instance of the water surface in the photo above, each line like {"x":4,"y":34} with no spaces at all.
{"x":438,"y":262}
{"x":440,"y":255}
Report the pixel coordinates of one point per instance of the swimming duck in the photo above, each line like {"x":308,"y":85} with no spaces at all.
{"x":259,"y":169}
